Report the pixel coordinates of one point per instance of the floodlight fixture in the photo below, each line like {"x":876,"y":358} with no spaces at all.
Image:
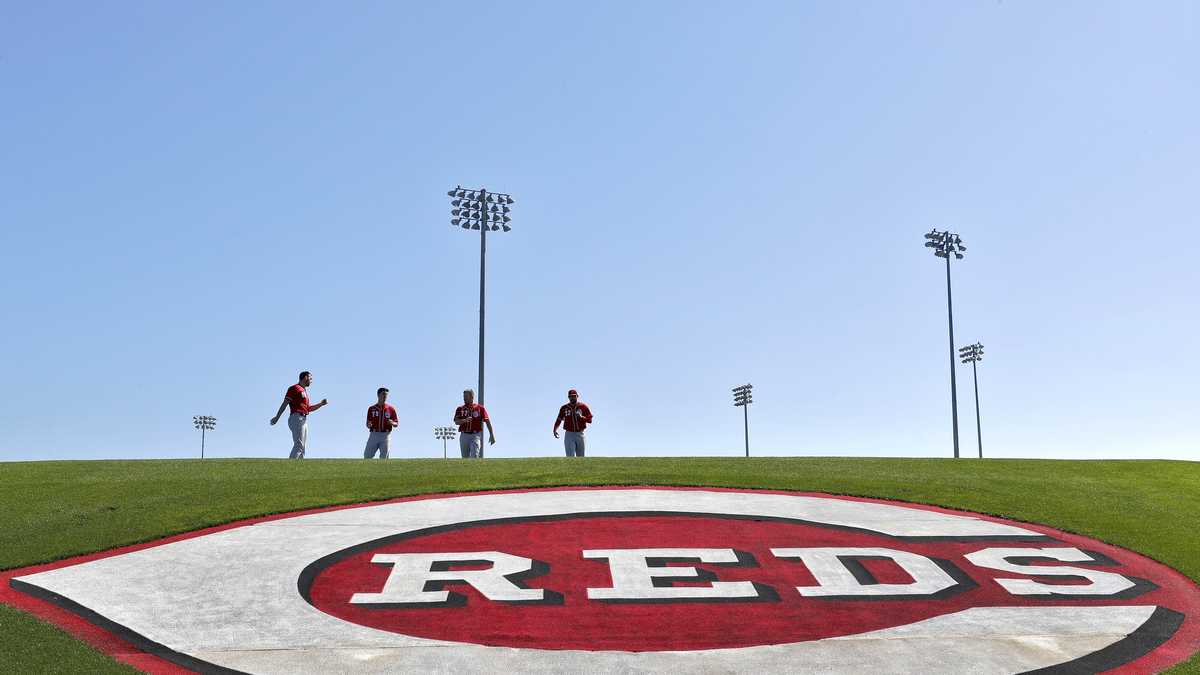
{"x":946,"y":244}
{"x":484,"y":211}
{"x":742,"y":398}
{"x":444,"y":434}
{"x":973,"y":354}
{"x":204,"y":423}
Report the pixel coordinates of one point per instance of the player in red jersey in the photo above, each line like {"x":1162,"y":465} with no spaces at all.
{"x":470,"y":418}
{"x":577,"y":416}
{"x":296,"y":397}
{"x":381,"y":419}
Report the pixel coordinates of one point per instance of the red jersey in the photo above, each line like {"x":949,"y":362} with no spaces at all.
{"x":577,"y":417}
{"x":478,"y":415}
{"x":297,"y":399}
{"x":384,"y":420}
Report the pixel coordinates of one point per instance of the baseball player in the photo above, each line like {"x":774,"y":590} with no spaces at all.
{"x":470,"y":418}
{"x":577,"y":416}
{"x":381,"y":419}
{"x":296,"y":397}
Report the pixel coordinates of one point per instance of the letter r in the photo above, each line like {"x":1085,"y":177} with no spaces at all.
{"x":413,"y":573}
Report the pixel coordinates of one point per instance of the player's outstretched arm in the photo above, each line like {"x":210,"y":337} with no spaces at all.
{"x":279,"y":412}
{"x":491,"y":434}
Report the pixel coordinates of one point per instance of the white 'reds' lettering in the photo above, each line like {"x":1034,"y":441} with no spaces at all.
{"x":828,"y":567}
{"x":633,"y":577}
{"x":412,"y":571}
{"x":1102,"y":583}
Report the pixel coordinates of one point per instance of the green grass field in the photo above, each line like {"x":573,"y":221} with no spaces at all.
{"x":54,"y":510}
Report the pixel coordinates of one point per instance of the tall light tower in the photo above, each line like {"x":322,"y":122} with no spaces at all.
{"x":742,"y":398}
{"x":480,"y":210}
{"x":974,"y":354}
{"x":945,"y":245}
{"x":204,"y":423}
{"x":444,"y":434}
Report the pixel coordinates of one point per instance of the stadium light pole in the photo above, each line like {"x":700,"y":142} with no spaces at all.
{"x":742,"y":398}
{"x":444,"y":434}
{"x":480,"y":210}
{"x":204,"y":423}
{"x":945,"y":245}
{"x":974,"y":354}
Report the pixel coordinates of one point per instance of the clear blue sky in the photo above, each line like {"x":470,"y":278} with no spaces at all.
{"x":199,"y":200}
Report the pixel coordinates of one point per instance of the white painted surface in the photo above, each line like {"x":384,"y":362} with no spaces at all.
{"x":989,"y":641}
{"x":231,"y":597}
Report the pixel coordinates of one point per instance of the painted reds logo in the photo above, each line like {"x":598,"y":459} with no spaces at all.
{"x":639,"y":579}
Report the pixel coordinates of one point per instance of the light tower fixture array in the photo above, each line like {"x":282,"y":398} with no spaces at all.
{"x":946,"y":245}
{"x":973,"y":354}
{"x":204,"y":423}
{"x":743,"y":396}
{"x":480,"y":209}
{"x":444,"y":434}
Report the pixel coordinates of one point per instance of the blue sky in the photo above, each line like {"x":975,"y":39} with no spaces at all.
{"x":199,"y":200}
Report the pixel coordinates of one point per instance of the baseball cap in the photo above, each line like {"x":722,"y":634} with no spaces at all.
{"x":572,"y":392}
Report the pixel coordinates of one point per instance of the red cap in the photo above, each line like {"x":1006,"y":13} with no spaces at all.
{"x":572,"y":392}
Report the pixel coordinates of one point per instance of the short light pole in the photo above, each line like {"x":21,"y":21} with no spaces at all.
{"x":444,"y":434}
{"x":480,"y":210}
{"x":974,"y":354}
{"x":742,"y":398}
{"x":945,"y":245}
{"x":205,"y":424}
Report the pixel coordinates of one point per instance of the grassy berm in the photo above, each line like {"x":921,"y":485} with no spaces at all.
{"x":53,"y":510}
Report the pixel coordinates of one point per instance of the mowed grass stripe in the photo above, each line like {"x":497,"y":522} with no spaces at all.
{"x":54,"y":510}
